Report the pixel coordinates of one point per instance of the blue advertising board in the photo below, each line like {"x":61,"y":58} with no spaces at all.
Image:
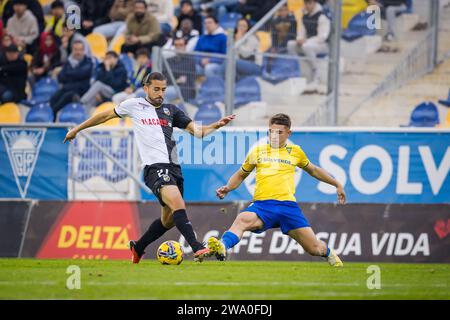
{"x":408,"y":166}
{"x":34,"y":162}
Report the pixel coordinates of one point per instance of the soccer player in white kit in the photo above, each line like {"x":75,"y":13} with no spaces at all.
{"x":153,"y":124}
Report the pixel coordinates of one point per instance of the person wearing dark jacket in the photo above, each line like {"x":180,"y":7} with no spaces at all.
{"x":390,"y":9}
{"x":94,"y":13}
{"x":255,"y":9}
{"x":13,"y":75}
{"x":74,"y":77}
{"x":187,"y":12}
{"x":33,"y":5}
{"x":111,"y":79}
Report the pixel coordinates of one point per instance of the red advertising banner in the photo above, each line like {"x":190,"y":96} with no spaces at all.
{"x":92,"y":230}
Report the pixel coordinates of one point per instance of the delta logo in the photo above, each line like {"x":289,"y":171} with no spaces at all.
{"x":92,"y":230}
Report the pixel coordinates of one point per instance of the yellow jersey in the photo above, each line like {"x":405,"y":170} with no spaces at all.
{"x":275,"y":169}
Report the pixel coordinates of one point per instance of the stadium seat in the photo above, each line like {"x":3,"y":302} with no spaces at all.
{"x":229,"y":20}
{"x":446,"y":102}
{"x":104,"y":107}
{"x":28,"y":58}
{"x":128,"y":63}
{"x":98,"y":44}
{"x":40,"y":113}
{"x":211,"y":90}
{"x":44,"y":89}
{"x":424,"y":115}
{"x":9,"y":113}
{"x":357,"y":27}
{"x":116,"y":45}
{"x":350,"y":8}
{"x":295,"y":5}
{"x":265,"y":40}
{"x":73,"y":113}
{"x":92,"y":161}
{"x":447,"y":120}
{"x":276,"y":70}
{"x":181,"y":107}
{"x":409,"y":8}
{"x":247,"y":90}
{"x":207,"y":114}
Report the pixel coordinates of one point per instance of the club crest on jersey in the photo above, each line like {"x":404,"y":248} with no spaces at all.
{"x":166,"y":111}
{"x":23,"y":147}
{"x":166,"y":177}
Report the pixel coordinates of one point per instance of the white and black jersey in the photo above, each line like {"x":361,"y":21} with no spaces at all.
{"x":153,"y":128}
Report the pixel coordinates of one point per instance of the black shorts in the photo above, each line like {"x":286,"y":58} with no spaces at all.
{"x":163,"y":174}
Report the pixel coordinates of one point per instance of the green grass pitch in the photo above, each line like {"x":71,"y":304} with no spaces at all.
{"x":46,"y":279}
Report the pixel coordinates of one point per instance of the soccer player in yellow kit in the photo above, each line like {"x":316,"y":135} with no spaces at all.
{"x":274,"y":204}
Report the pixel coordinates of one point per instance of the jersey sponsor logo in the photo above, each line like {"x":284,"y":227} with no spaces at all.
{"x":155,"y":122}
{"x":92,"y":230}
{"x":250,"y":182}
{"x":23,"y":147}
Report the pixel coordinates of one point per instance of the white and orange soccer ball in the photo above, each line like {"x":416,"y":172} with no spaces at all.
{"x":170,"y":252}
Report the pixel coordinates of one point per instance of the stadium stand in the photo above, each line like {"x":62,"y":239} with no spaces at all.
{"x":207,"y":113}
{"x":107,"y":106}
{"x":73,"y":113}
{"x":10,"y":113}
{"x":424,"y":115}
{"x":40,"y":113}
{"x":446,"y":102}
{"x":98,"y":45}
{"x":247,"y":90}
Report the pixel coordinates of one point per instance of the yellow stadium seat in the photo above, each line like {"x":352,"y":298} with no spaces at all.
{"x":10,"y":113}
{"x":128,"y":123}
{"x":104,"y":107}
{"x":116,"y":46}
{"x":45,"y":2}
{"x":175,"y":3}
{"x":350,"y":8}
{"x":98,"y":44}
{"x":447,"y":120}
{"x":295,"y":5}
{"x":174,"y":22}
{"x":265,"y":41}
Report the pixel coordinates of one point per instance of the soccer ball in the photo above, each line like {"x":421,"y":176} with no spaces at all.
{"x":170,"y":252}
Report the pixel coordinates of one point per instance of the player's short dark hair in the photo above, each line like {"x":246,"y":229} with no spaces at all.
{"x":281,"y":119}
{"x":141,"y":2}
{"x":153,"y":76}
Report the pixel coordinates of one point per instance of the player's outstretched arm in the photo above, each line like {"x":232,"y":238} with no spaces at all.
{"x":91,"y":122}
{"x":233,"y":183}
{"x":323,"y":176}
{"x":203,"y":131}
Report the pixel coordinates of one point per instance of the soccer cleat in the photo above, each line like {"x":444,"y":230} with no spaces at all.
{"x":218,"y":248}
{"x":334,"y":260}
{"x":199,"y":255}
{"x":135,"y":256}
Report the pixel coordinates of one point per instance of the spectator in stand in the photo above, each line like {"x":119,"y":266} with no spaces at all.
{"x":284,"y":28}
{"x":13,"y":75}
{"x":245,"y":64}
{"x":163,"y":11}
{"x":118,"y":14}
{"x":111,"y":78}
{"x":7,"y":40}
{"x":143,"y":30}
{"x":69,"y":37}
{"x":33,"y":5}
{"x":186,"y":32}
{"x":183,"y":68}
{"x":47,"y":57}
{"x":23,"y":27}
{"x":389,"y":9}
{"x":213,"y":41}
{"x":313,"y":36}
{"x":219,"y":7}
{"x":56,"y":20}
{"x":187,"y":12}
{"x":74,"y":77}
{"x":255,"y":9}
{"x":93,"y":14}
{"x":141,"y":69}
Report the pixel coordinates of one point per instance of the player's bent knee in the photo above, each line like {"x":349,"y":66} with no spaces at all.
{"x":246,"y":219}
